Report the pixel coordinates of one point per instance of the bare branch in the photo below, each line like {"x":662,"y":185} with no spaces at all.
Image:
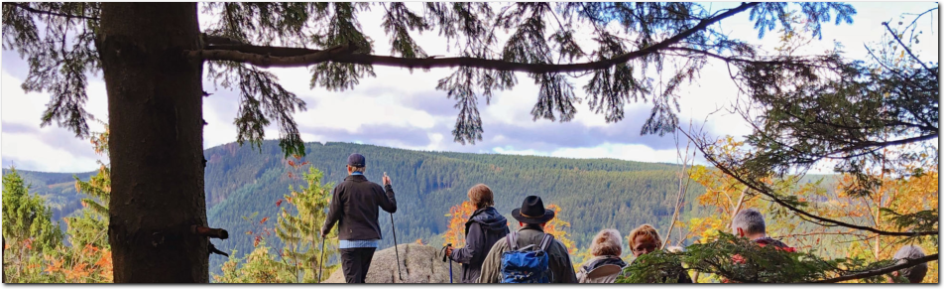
{"x":269,"y":60}
{"x":905,"y":46}
{"x":886,"y":270}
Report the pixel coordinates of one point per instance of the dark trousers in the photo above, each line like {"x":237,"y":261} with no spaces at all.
{"x":355,"y":262}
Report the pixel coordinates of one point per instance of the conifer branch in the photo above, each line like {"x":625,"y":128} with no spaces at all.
{"x":44,"y":12}
{"x":293,"y":57}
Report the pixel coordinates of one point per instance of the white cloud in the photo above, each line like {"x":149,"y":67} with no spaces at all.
{"x":34,"y":148}
{"x":628,"y":152}
{"x":398,"y":99}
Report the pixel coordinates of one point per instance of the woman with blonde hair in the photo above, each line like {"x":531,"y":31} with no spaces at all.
{"x":607,"y":247}
{"x":644,"y":240}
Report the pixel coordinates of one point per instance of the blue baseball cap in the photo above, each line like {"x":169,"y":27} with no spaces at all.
{"x":356,"y":160}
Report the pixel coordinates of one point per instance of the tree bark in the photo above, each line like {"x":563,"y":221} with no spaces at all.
{"x":156,"y":143}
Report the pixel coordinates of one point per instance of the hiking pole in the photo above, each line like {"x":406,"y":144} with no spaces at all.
{"x":394,"y":227}
{"x":450,"y":265}
{"x":443,"y":251}
{"x":321,"y":265}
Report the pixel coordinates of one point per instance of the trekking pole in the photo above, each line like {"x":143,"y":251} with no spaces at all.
{"x":321,"y":265}
{"x":394,"y":227}
{"x":450,"y":269}
{"x":443,"y":251}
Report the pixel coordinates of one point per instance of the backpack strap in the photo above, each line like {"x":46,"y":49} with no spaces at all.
{"x":512,"y":241}
{"x":546,"y":241}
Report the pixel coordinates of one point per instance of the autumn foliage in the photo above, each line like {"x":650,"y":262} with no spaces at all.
{"x":459,"y":214}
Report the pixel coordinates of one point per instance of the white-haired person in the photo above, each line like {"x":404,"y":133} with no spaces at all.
{"x":916,"y":273}
{"x":607,"y":247}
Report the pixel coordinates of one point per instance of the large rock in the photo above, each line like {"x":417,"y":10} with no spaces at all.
{"x":418,"y":264}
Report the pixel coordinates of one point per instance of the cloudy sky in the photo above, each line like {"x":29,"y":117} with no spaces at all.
{"x":404,"y":110}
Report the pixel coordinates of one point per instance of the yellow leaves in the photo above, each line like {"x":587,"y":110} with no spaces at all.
{"x":460,"y":215}
{"x":556,"y":228}
{"x":705,"y":228}
{"x":55,"y":264}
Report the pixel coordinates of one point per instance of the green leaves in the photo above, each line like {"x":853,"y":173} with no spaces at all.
{"x":26,"y":218}
{"x":741,"y":260}
{"x":300,"y":230}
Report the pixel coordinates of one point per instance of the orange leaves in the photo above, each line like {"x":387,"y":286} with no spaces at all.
{"x":89,"y":264}
{"x":460,"y":214}
{"x":419,"y":241}
{"x":78,"y":272}
{"x":278,"y":203}
{"x":264,"y":219}
{"x":55,"y":264}
{"x":556,"y":228}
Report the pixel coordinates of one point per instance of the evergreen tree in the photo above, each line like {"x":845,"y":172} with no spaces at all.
{"x":876,"y":121}
{"x":91,"y":227}
{"x":299,"y":228}
{"x":26,"y":219}
{"x":27,"y":224}
{"x":152,"y":56}
{"x":259,"y":266}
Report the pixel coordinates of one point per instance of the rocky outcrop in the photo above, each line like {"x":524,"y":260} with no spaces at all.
{"x":418,"y":264}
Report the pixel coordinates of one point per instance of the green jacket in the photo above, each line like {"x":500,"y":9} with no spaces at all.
{"x":562,"y":270}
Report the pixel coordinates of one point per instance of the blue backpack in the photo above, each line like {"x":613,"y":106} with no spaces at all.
{"x":528,"y":264}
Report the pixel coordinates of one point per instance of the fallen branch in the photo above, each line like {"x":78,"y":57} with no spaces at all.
{"x":276,"y":56}
{"x":870,"y":273}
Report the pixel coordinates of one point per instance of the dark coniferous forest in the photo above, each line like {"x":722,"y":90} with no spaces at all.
{"x":244,"y":180}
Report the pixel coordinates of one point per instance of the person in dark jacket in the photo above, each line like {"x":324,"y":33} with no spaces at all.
{"x":354,"y":208}
{"x":485,"y":227}
{"x":607,"y":247}
{"x":644,"y":240}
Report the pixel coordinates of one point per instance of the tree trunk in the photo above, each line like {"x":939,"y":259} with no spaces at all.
{"x":156,"y":143}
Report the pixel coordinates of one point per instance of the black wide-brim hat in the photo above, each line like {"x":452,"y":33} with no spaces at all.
{"x":532,"y":211}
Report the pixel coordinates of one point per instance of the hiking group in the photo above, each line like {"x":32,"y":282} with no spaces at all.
{"x":494,"y":254}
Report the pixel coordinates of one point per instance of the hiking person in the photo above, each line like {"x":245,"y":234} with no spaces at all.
{"x":644,"y":240}
{"x":503,"y":262}
{"x":354,"y":208}
{"x":485,"y":227}
{"x":749,"y":223}
{"x":914,"y":274}
{"x":606,"y":248}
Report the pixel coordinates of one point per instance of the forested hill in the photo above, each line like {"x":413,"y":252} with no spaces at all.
{"x":58,"y":189}
{"x":593,"y":194}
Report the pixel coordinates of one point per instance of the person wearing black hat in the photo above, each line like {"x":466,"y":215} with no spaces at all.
{"x":354,"y":208}
{"x":532,"y":217}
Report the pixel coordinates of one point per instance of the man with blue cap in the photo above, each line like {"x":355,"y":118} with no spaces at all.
{"x":355,"y":208}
